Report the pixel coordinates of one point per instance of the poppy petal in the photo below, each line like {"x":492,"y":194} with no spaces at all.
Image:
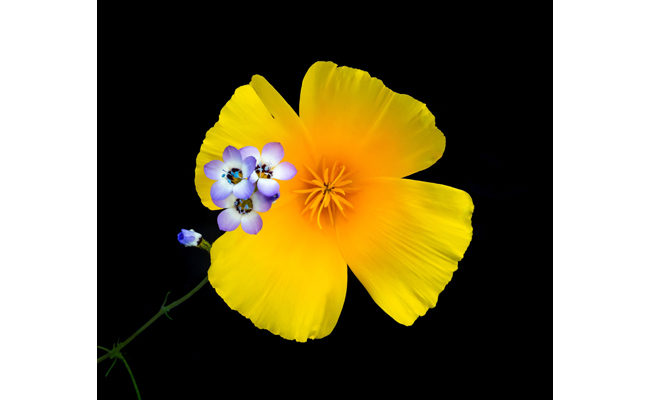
{"x":342,"y":105}
{"x":280,"y":109}
{"x":297,"y":294}
{"x":405,"y":241}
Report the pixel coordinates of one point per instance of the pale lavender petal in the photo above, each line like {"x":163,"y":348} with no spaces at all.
{"x":220,"y":190}
{"x":272,"y":154}
{"x":261,"y":203}
{"x":268,"y":187}
{"x":214,"y":169}
{"x":243,"y":189}
{"x":231,"y":154}
{"x":248,"y":166}
{"x":251,"y":223}
{"x":253,"y":178}
{"x":284,"y":171}
{"x":228,"y":202}
{"x":229,"y":219}
{"x":249,"y":151}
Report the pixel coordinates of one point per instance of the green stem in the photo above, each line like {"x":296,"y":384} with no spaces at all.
{"x":135,"y":385}
{"x":111,"y":367}
{"x":163,"y":310}
{"x":115,"y":351}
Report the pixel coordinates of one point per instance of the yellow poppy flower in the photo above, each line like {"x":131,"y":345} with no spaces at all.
{"x":348,"y":204}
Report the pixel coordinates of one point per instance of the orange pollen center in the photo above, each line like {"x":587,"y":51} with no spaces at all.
{"x":327,"y":189}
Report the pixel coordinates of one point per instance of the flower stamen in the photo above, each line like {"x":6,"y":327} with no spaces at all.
{"x":244,"y":206}
{"x":328,"y":190}
{"x":234,"y":176}
{"x":264,"y":171}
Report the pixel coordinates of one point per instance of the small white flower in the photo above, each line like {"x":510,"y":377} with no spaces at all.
{"x":231,"y":175}
{"x":244,"y":212}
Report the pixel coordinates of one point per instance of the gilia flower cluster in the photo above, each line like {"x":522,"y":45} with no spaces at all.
{"x":246,"y":184}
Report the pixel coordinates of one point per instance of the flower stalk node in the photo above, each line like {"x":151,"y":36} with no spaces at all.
{"x":166,"y":309}
{"x":205,"y":245}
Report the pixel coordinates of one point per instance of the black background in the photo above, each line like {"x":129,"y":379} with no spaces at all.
{"x":483,"y":71}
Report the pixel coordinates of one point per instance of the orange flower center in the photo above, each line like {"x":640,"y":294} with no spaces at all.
{"x":327,"y":192}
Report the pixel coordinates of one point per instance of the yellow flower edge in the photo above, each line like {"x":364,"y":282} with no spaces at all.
{"x":402,"y":238}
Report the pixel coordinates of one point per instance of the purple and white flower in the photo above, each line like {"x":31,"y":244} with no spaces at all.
{"x":231,"y":175}
{"x":268,"y":167}
{"x":244,"y":212}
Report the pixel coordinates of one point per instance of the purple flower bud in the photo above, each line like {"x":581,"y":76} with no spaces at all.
{"x":189,"y":238}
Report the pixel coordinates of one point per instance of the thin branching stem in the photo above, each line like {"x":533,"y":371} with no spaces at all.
{"x":135,"y":385}
{"x":116,"y":352}
{"x":164,"y":310}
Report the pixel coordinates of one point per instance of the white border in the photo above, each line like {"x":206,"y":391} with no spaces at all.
{"x":48,"y":199}
{"x":601,"y":200}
